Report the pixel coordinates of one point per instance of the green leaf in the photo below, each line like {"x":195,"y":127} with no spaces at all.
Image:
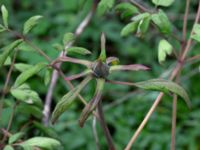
{"x":15,"y":137}
{"x":81,"y":4}
{"x":28,"y":73}
{"x":7,"y":61}
{"x":164,"y":86}
{"x":25,"y":94}
{"x":68,"y":99}
{"x":26,"y":147}
{"x":164,"y":3}
{"x":129,"y":28}
{"x":30,"y":23}
{"x":140,"y":17}
{"x":126,"y":9}
{"x":68,"y":38}
{"x":78,"y":50}
{"x":58,"y":46}
{"x":32,"y":110}
{"x":47,"y":76}
{"x":8,"y":51}
{"x":104,"y":6}
{"x":162,"y":21}
{"x":42,"y":142}
{"x":4,"y":15}
{"x":196,"y":32}
{"x":8,"y":147}
{"x":2,"y":28}
{"x":143,"y":25}
{"x":22,"y":67}
{"x":48,"y":131}
{"x":164,"y":49}
{"x":25,"y":47}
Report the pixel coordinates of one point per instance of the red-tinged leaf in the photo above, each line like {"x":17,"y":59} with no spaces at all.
{"x":113,"y":60}
{"x":76,"y":76}
{"x":72,"y":60}
{"x":103,"y":48}
{"x":68,"y":99}
{"x":134,"y":67}
{"x":93,"y":103}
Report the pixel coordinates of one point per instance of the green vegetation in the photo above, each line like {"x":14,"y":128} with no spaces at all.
{"x":121,"y":62}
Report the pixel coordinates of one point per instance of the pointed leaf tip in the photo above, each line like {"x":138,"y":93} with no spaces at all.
{"x":29,"y":73}
{"x":41,"y":142}
{"x":8,"y":50}
{"x":133,"y":67}
{"x":4,"y":12}
{"x":165,"y":86}
{"x":103,"y":47}
{"x":31,"y":23}
{"x":93,"y":103}
{"x":68,"y":99}
{"x":78,"y":50}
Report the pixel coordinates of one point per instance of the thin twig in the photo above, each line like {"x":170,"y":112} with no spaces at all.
{"x":48,"y":99}
{"x":27,"y":41}
{"x":174,"y":108}
{"x":142,"y":8}
{"x":174,"y":111}
{"x":185,"y":20}
{"x":137,"y":132}
{"x":121,"y":100}
{"x":193,"y":58}
{"x":173,"y":134}
{"x":187,"y":48}
{"x":9,"y":122}
{"x":104,"y":127}
{"x":95,"y":133}
{"x":7,"y":82}
{"x":38,"y":50}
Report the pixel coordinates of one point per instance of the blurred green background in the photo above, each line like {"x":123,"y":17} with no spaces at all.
{"x":124,"y":108}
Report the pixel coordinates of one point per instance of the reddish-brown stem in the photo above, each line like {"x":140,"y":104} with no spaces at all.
{"x":174,"y":108}
{"x":187,"y":48}
{"x":142,"y":8}
{"x":7,"y":82}
{"x":173,"y":133}
{"x":120,"y":82}
{"x":26,"y":40}
{"x":9,"y":122}
{"x":193,"y":58}
{"x":38,"y":50}
{"x":104,"y":127}
{"x":174,"y":111}
{"x":185,"y":20}
{"x":71,"y":87}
